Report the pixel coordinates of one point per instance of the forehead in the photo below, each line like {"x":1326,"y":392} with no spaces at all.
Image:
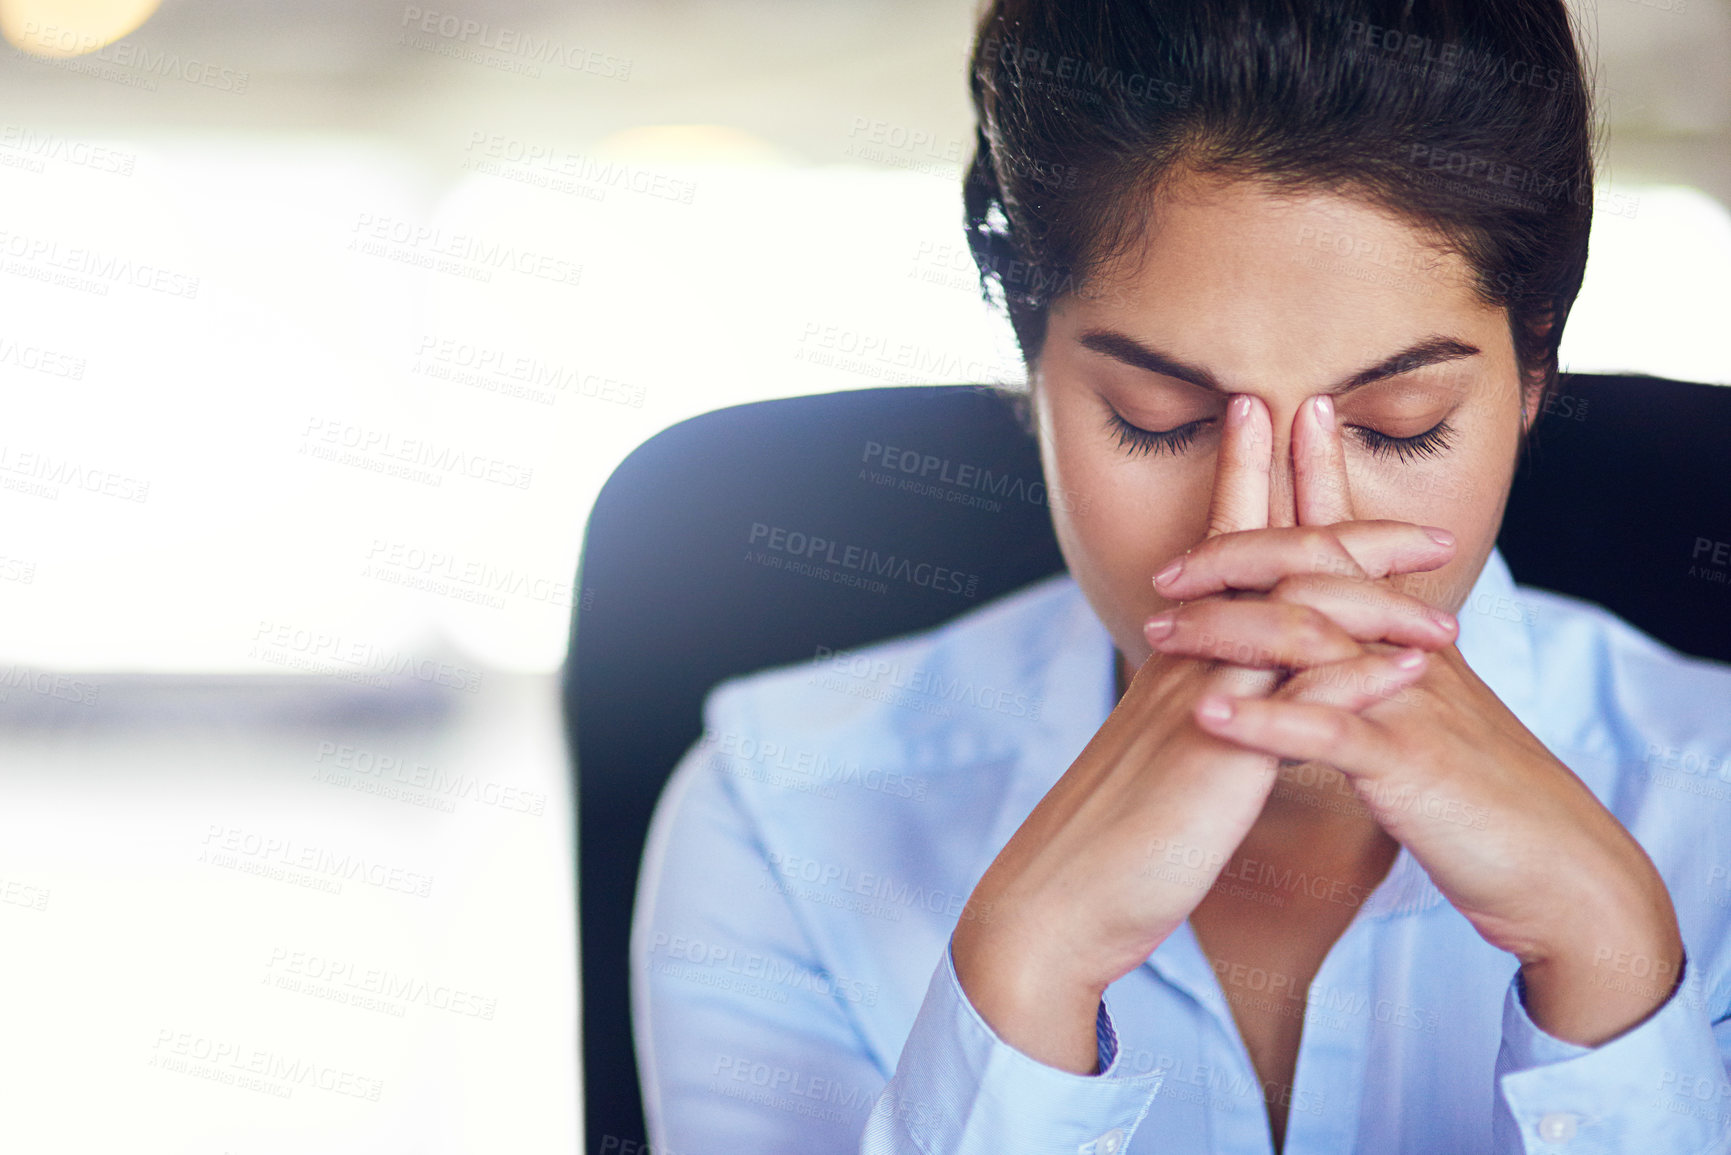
{"x":1300,"y":285}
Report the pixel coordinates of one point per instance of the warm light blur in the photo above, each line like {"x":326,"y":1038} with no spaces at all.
{"x":65,"y":28}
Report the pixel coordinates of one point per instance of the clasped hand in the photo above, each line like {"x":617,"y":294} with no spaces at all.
{"x":1508,"y":834}
{"x":1293,"y":643}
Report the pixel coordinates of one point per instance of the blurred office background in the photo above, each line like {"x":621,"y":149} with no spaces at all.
{"x":322,"y":322}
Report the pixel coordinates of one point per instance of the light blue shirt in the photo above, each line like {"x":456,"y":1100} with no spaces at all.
{"x":793,"y":991}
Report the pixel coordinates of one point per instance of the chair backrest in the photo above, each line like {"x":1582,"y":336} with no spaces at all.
{"x":769,"y":533}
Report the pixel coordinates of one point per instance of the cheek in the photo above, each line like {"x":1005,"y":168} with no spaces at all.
{"x":1121,"y":519}
{"x":1440,"y":492}
{"x":1464,"y":492}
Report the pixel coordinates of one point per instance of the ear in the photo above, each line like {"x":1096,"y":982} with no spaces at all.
{"x":1532,"y":383}
{"x":1532,"y":399}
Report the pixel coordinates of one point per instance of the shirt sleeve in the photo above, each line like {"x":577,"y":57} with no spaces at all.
{"x":1660,"y":1088}
{"x":961,"y":1090}
{"x":746,"y":1040}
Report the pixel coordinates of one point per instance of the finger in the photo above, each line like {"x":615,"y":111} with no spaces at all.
{"x":1257,"y":560}
{"x":1369,"y":611}
{"x":1319,"y":480}
{"x":1301,"y":731}
{"x":1243,"y":681}
{"x":1256,"y":633}
{"x":1382,"y":553}
{"x":1358,"y":682}
{"x":1241,"y":468}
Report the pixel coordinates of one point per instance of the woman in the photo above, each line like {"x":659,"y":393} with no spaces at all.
{"x":1290,"y":857}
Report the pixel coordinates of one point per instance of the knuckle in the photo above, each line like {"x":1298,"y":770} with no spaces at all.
{"x":1314,"y":630}
{"x":1372,"y":679}
{"x":1400,"y":752}
{"x":1305,"y":631}
{"x":1323,"y":546}
{"x":1297,"y":588}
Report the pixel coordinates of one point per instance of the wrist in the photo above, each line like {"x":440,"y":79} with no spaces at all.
{"x":1606,"y":986}
{"x":1042,"y":1011}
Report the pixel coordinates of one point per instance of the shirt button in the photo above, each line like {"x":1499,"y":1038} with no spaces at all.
{"x":1557,"y":1127}
{"x":1110,"y":1143}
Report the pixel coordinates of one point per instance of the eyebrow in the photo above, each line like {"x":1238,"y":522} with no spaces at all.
{"x":1430,"y":351}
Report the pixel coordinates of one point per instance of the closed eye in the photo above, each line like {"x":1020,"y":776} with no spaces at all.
{"x":1140,"y":442}
{"x":1437,"y":439}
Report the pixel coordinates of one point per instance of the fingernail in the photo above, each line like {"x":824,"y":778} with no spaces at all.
{"x":1238,"y":411}
{"x":1439,"y":535}
{"x":1170,"y":573}
{"x":1325,"y":413}
{"x":1409,"y":659}
{"x":1215,"y":708}
{"x":1442,"y":621}
{"x":1157,"y":628}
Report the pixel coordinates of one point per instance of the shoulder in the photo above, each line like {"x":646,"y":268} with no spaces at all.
{"x":982,"y":672}
{"x":861,"y":793}
{"x":1633,"y":697}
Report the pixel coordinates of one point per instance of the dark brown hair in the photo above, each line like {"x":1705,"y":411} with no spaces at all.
{"x":1469,"y":118}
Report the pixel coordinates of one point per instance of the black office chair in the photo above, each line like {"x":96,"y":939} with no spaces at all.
{"x":1624,"y":490}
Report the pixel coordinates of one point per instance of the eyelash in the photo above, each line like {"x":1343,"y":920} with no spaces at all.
{"x":1137,"y":441}
{"x":1431,"y":442}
